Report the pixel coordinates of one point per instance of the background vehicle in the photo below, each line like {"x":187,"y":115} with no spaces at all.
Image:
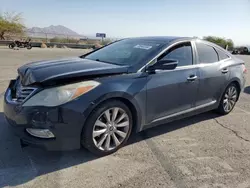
{"x":235,"y":51}
{"x":96,"y":100}
{"x":21,"y":44}
{"x":244,"y":50}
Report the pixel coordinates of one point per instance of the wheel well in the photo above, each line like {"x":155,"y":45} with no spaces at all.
{"x":130,"y":106}
{"x":237,"y":86}
{"x":133,"y":111}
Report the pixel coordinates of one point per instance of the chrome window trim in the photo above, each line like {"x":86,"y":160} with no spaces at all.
{"x":185,"y":111}
{"x":214,"y":62}
{"x":164,"y":50}
{"x":194,"y":51}
{"x":179,"y":68}
{"x":229,"y":57}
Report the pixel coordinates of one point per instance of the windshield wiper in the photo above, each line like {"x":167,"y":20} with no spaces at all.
{"x":106,"y":62}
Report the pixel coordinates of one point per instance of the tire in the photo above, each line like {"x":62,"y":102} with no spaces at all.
{"x":11,"y":46}
{"x":97,"y":122}
{"x":29,"y":47}
{"x":228,"y":100}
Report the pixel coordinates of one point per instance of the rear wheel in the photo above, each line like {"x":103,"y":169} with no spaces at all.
{"x":11,"y":46}
{"x":228,"y":99}
{"x":107,"y":128}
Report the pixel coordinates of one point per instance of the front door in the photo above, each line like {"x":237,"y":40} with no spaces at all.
{"x":172,"y":91}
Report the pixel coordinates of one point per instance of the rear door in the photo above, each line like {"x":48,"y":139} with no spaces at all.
{"x":213,"y":73}
{"x":172,"y":91}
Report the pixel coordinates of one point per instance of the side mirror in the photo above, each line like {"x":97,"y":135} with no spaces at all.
{"x":164,"y":64}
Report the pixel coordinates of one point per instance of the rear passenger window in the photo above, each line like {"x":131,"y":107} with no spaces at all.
{"x":207,"y":54}
{"x":222,"y":55}
{"x":181,"y":52}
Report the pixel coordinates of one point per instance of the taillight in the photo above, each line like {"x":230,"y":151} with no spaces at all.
{"x":244,"y":69}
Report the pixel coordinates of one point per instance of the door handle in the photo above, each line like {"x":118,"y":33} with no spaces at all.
{"x":224,"y":71}
{"x":192,"y":78}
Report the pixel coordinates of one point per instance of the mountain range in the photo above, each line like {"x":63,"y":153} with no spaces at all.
{"x":52,"y":31}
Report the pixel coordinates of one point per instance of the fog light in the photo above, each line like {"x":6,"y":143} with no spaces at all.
{"x":40,"y":133}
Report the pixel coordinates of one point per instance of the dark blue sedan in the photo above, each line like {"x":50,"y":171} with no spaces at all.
{"x":98,"y":99}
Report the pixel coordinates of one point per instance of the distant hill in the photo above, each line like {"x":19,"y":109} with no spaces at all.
{"x":52,"y":31}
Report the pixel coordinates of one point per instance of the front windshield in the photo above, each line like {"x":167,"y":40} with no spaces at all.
{"x":125,"y":52}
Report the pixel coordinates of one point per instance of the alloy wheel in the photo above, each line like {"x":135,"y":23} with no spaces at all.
{"x":110,"y":129}
{"x":230,"y":98}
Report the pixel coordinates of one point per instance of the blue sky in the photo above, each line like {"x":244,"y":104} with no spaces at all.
{"x":126,"y":18}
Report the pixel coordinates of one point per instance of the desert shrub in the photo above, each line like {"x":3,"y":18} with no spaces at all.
{"x":11,"y":24}
{"x":63,"y":40}
{"x":220,"y":41}
{"x":43,"y":45}
{"x":105,"y":42}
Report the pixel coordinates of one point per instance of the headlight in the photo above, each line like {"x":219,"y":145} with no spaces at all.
{"x":60,"y":95}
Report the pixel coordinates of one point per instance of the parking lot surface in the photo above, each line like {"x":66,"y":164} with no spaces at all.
{"x":204,"y":151}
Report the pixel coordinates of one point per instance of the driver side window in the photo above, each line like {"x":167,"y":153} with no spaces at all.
{"x":181,"y":52}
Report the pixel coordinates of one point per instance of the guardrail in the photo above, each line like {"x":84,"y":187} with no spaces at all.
{"x":5,"y":42}
{"x":52,"y":44}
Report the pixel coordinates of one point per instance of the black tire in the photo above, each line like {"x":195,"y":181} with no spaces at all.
{"x":86,"y":137}
{"x":221,"y":109}
{"x":29,"y":47}
{"x":11,"y":46}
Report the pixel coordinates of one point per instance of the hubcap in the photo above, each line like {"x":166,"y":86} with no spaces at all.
{"x":230,"y":98}
{"x":110,"y":129}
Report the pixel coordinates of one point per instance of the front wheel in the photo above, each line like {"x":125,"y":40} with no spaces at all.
{"x":107,"y":128}
{"x":228,"y":99}
{"x":29,"y":47}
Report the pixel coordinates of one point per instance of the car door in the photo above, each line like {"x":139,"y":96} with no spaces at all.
{"x":172,"y":91}
{"x":213,"y":73}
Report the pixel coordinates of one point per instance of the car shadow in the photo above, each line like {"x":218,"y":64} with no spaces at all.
{"x":247,"y":90}
{"x":21,"y":165}
{"x":169,"y":127}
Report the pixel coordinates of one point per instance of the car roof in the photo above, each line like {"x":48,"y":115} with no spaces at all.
{"x":162,"y":39}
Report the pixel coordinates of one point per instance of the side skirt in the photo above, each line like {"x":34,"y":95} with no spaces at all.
{"x":180,"y":115}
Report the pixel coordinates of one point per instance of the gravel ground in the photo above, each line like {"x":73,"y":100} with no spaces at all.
{"x":203,"y":151}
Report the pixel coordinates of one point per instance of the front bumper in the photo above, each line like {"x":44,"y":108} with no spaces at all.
{"x":64,"y":122}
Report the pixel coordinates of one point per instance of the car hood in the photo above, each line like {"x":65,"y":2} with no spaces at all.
{"x":44,"y":71}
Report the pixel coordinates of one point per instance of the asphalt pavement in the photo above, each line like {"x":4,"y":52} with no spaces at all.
{"x":204,"y":151}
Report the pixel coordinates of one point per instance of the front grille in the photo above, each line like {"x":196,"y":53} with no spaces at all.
{"x":22,"y":93}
